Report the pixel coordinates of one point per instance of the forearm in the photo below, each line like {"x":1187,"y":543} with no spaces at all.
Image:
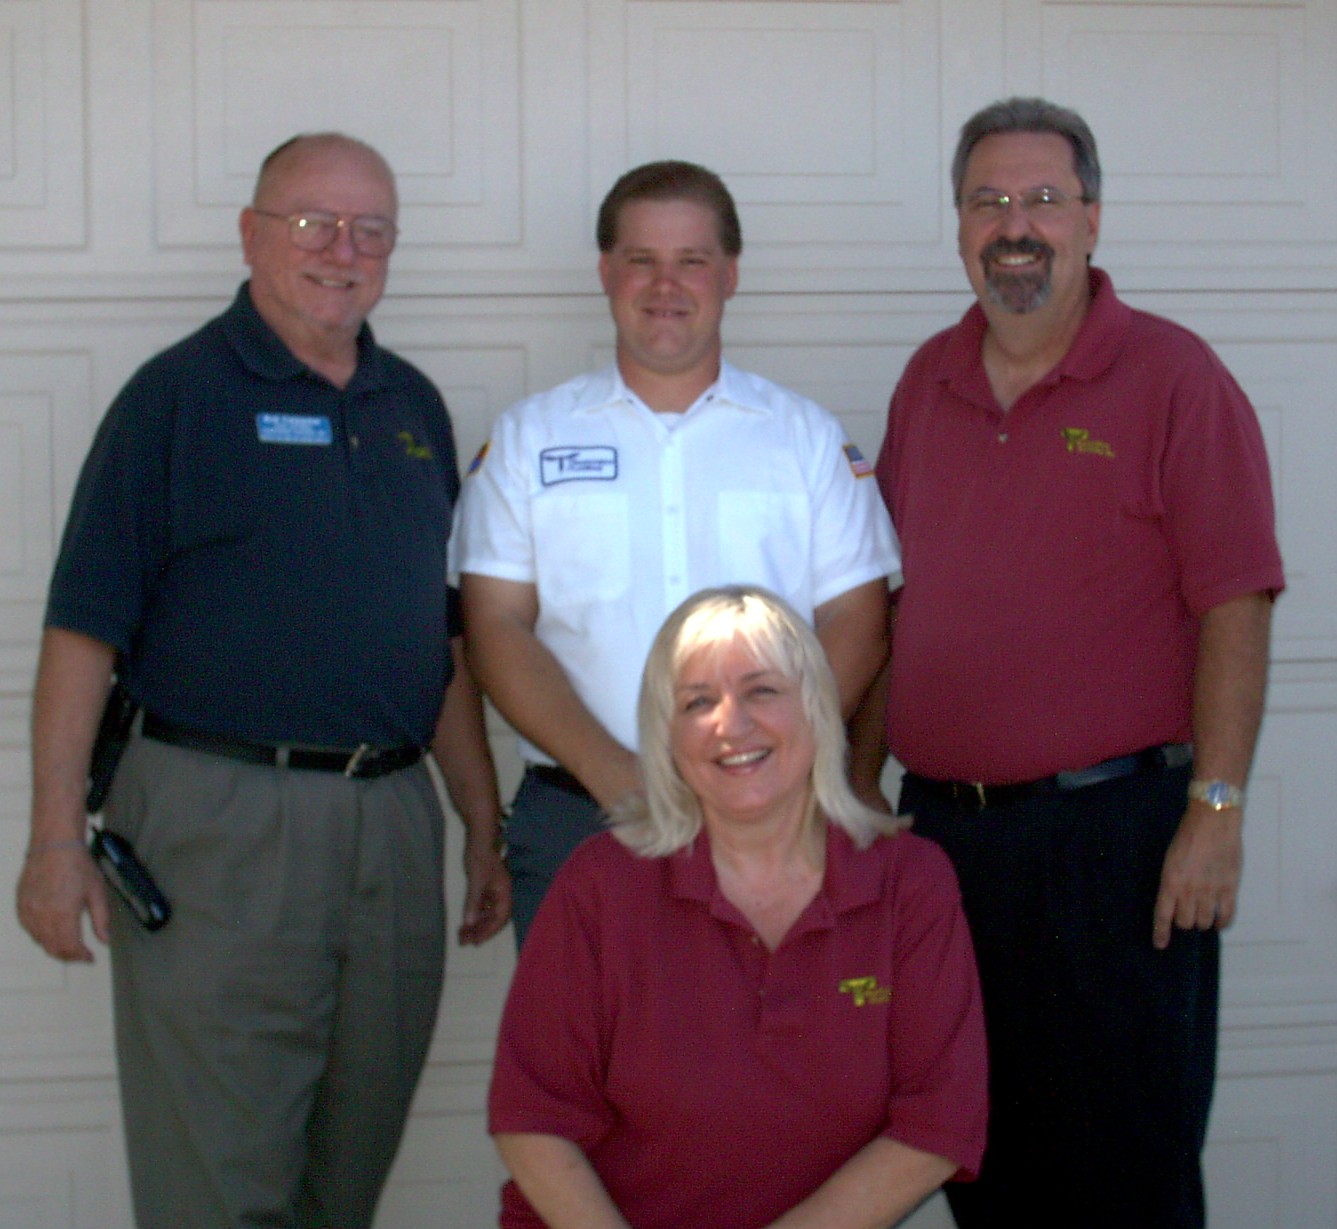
{"x":559,"y":1182}
{"x":460,"y":748}
{"x":532,"y":691}
{"x":1200,"y":880}
{"x":868,"y":743}
{"x":73,"y":676}
{"x":1230,"y":687}
{"x":878,"y":1186}
{"x":852,"y":629}
{"x":58,"y":881}
{"x":868,"y":729}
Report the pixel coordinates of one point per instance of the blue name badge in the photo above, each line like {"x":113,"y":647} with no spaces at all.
{"x":596,"y":463}
{"x":294,"y":429}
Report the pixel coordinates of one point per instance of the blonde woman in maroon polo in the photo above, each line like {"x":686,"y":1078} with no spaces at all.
{"x":754,"y":1002}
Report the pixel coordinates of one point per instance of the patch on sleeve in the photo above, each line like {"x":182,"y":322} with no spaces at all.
{"x":477,"y":463}
{"x":858,"y":465}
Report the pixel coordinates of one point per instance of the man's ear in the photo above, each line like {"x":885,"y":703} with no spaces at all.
{"x":246,"y":222}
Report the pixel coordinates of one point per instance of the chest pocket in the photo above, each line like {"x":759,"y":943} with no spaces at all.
{"x":582,"y":545}
{"x":765,"y":538}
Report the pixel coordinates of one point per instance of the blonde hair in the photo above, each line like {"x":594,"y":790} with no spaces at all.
{"x":669,"y":816}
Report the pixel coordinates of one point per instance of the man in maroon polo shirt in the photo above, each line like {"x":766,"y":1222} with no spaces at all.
{"x":1077,"y":680}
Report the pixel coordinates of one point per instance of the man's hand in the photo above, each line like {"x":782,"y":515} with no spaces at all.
{"x":487,"y":901}
{"x":1201,"y":877}
{"x":59,"y":882}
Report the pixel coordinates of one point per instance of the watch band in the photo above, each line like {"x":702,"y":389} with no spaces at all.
{"x":1219,"y":795}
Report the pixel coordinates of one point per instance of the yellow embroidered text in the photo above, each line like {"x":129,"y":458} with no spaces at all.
{"x":1078,"y":439}
{"x":865,"y":990}
{"x":412,"y":448}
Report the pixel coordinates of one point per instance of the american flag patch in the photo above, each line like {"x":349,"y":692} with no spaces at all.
{"x":858,"y":465}
{"x":478,"y":460}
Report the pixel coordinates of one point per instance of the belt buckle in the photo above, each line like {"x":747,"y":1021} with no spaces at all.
{"x":979,"y":793}
{"x":350,"y":769}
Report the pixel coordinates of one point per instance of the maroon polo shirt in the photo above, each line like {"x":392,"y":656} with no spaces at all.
{"x":711,"y":1081}
{"x":1058,"y":557}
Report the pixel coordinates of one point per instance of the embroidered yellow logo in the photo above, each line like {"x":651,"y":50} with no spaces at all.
{"x":865,"y":990}
{"x":419,"y":452}
{"x":1078,"y":439}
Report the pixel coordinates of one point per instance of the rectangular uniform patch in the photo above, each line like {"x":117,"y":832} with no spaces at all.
{"x":294,"y":429}
{"x":858,"y":465}
{"x":592,"y":463}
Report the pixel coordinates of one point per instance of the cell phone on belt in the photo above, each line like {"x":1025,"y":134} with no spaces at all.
{"x":120,"y":867}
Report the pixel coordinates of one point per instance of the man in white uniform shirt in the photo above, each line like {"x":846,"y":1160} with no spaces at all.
{"x":598,"y":506}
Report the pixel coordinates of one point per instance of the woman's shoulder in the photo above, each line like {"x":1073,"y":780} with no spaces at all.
{"x":604,"y":865}
{"x":909,"y":860}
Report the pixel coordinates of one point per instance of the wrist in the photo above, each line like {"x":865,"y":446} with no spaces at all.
{"x":488,"y":834}
{"x":41,"y":847}
{"x":1215,"y":793}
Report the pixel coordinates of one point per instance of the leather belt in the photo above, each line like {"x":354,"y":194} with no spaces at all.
{"x":361,"y":763}
{"x":974,"y":796}
{"x":559,"y":778}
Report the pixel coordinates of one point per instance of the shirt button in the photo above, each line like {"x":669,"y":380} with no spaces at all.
{"x":1002,"y":437}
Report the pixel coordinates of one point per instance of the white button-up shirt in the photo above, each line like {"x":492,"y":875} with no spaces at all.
{"x":616,"y":517}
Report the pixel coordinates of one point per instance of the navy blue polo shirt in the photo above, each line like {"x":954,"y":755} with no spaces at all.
{"x":266,"y":552}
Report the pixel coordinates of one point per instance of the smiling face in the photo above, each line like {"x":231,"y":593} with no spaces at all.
{"x":740,"y":738}
{"x":316,"y":301}
{"x":1024,"y":261}
{"x":667,"y":278}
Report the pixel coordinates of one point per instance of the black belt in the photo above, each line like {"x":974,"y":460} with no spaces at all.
{"x":974,"y":796}
{"x":363,"y":763}
{"x":560,"y":779}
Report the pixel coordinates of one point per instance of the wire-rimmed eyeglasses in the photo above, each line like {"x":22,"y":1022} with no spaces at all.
{"x":313,"y":230}
{"x":989,"y":204}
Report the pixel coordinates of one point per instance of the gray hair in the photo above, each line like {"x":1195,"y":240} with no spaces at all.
{"x":1030,"y":115}
{"x":669,"y":816}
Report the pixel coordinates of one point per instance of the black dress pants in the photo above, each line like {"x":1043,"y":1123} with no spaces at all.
{"x":1102,"y":1049}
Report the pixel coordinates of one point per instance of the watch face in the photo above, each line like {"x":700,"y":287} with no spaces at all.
{"x":1216,"y":794}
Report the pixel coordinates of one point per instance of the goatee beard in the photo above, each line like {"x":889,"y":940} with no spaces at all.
{"x":1012,"y":290}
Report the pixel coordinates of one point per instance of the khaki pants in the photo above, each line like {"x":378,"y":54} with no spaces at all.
{"x":270,"y":1037}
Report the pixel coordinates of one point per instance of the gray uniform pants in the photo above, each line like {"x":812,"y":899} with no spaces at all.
{"x":270,"y":1037}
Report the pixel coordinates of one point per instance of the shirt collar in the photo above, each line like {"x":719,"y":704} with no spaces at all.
{"x":264,"y":354}
{"x":1093,"y":350}
{"x":851,"y":881}
{"x":733,"y":387}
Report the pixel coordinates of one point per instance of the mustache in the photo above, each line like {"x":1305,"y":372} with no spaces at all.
{"x":1016,"y":247}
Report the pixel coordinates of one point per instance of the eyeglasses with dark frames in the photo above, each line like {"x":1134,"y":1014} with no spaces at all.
{"x":313,"y":230}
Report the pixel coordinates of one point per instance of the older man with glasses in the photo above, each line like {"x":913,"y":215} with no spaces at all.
{"x":1077,"y":680}
{"x":257,"y":554}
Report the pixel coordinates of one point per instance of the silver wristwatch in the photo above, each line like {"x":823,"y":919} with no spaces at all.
{"x":1219,"y":795}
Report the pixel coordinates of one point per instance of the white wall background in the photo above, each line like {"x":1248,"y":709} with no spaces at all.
{"x":130,"y":131}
